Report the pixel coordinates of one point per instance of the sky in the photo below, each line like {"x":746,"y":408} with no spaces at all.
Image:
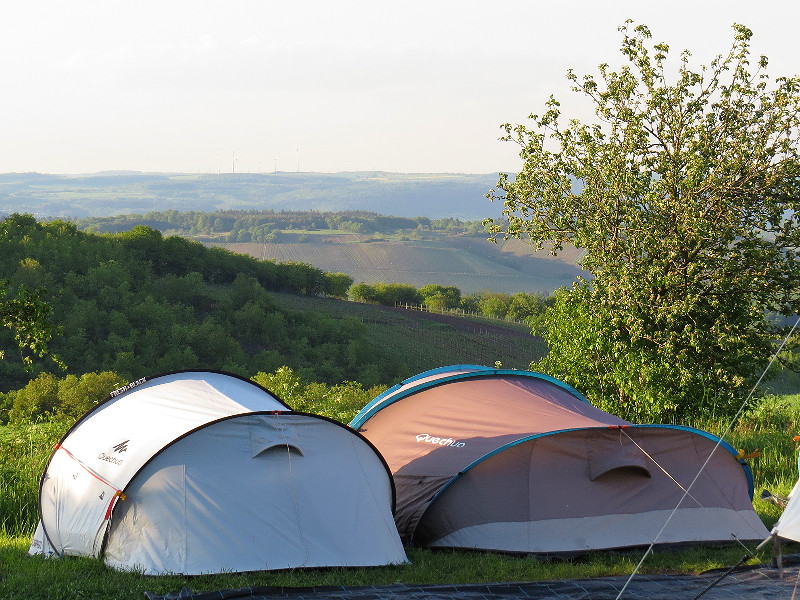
{"x":418,"y":86}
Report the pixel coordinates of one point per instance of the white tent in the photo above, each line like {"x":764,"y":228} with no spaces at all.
{"x":788,"y":525}
{"x":215,"y":474}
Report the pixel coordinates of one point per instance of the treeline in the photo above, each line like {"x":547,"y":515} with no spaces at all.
{"x":270,"y":226}
{"x":138,"y":303}
{"x":512,"y":307}
{"x":67,"y":398}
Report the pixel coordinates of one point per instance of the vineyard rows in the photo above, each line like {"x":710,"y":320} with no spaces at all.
{"x":423,"y":263}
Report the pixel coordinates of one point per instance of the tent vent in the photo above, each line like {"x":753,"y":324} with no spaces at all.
{"x":279,"y":447}
{"x":263,"y":439}
{"x":607,"y":457}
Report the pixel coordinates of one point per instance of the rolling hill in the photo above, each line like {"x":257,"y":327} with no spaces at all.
{"x":469,"y":263}
{"x":433,"y":195}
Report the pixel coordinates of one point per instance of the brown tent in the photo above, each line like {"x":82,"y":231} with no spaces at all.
{"x":518,"y":461}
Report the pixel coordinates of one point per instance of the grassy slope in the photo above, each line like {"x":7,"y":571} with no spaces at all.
{"x":421,"y":341}
{"x":470,"y":264}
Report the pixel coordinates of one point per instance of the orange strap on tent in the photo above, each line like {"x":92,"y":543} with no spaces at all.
{"x":742,"y":456}
{"x":89,"y":470}
{"x":117,"y":493}
{"x":111,"y":504}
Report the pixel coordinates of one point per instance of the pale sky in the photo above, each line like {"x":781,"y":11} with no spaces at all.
{"x":322,"y":85}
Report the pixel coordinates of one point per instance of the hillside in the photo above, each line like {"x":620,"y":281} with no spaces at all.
{"x":138,"y":304}
{"x":471,"y":264}
{"x":419,"y":341}
{"x":368,"y":247}
{"x":432,"y":195}
{"x":396,"y":253}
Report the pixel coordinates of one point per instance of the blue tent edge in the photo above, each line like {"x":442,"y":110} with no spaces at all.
{"x":377,"y":403}
{"x":722,"y":443}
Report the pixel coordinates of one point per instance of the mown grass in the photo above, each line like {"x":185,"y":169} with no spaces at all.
{"x":24,"y":449}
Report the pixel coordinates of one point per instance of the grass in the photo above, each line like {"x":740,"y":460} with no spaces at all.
{"x":25,"y":577}
{"x":24,"y":451}
{"x":25,"y":448}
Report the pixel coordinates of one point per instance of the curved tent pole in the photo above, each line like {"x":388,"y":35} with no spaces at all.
{"x":408,"y":387}
{"x":111,"y":396}
{"x":725,"y":445}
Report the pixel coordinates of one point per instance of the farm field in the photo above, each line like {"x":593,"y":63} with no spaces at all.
{"x":468,"y":263}
{"x":422,"y":341}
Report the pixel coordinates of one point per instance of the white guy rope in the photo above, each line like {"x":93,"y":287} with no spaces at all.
{"x":703,"y":466}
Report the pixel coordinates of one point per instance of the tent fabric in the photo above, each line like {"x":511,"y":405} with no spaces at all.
{"x":159,"y":474}
{"x":106,"y":447}
{"x":281,"y":508}
{"x":517,"y":461}
{"x":788,"y":525}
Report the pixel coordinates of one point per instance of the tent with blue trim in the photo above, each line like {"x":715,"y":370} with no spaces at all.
{"x":517,"y":461}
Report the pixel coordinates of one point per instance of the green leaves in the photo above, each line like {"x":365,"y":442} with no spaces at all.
{"x":683,"y":194}
{"x":26,"y":314}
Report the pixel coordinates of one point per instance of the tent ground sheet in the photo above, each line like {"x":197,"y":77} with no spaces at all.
{"x":757,"y":582}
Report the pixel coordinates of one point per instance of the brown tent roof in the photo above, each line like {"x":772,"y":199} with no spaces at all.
{"x":519,"y":461}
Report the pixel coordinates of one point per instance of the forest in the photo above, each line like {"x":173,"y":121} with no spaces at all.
{"x":242,"y":226}
{"x":138,"y":303}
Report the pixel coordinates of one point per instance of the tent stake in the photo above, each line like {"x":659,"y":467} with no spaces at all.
{"x":778,"y":555}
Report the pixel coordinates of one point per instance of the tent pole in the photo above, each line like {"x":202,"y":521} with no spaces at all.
{"x":778,"y":555}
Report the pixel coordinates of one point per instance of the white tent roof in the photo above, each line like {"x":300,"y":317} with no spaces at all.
{"x":107,"y":446}
{"x":788,"y":525}
{"x":200,"y":457}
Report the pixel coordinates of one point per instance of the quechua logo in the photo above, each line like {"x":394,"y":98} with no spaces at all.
{"x":121,"y":447}
{"x":115,"y":449}
{"x":447,"y":442}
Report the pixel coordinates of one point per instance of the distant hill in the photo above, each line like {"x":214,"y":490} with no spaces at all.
{"x":415,"y":252}
{"x":433,"y":195}
{"x":368,"y":247}
{"x":471,"y":264}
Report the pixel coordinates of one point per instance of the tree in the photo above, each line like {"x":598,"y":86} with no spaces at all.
{"x":440,"y":297}
{"x":28,"y":316}
{"x":337,"y":284}
{"x":684,"y":196}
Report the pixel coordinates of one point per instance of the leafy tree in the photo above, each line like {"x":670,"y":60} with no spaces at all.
{"x":28,"y":316}
{"x":494,"y":305}
{"x":48,"y":396}
{"x":76,"y":395}
{"x":522,"y":306}
{"x":38,"y":398}
{"x":439,"y":297}
{"x":684,"y":195}
{"x":341,"y":402}
{"x":337,"y":284}
{"x":363,"y":292}
{"x":391,"y":294}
